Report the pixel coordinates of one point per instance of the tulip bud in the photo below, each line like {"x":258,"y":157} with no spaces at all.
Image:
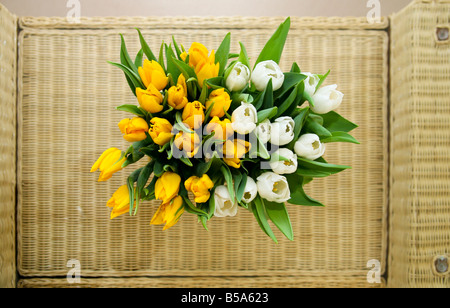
{"x":109,"y":163}
{"x":250,"y":191}
{"x":311,"y":83}
{"x":207,"y":69}
{"x":263,"y":131}
{"x":327,"y":99}
{"x":224,"y":206}
{"x":167,"y":187}
{"x":284,"y":166}
{"x":153,"y":73}
{"x":282,"y":131}
{"x":221,"y":101}
{"x":222,"y":129}
{"x":169,"y":213}
{"x":150,"y":99}
{"x":160,"y":131}
{"x":119,"y":202}
{"x":244,"y":119}
{"x":233,"y":151}
{"x":238,"y":77}
{"x":273,"y":187}
{"x":309,"y":147}
{"x":188,"y":143}
{"x":265,"y":71}
{"x":177,"y":95}
{"x":199,"y":187}
{"x":134,"y":129}
{"x":194,"y":115}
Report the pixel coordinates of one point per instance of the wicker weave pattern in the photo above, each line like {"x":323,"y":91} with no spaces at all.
{"x":8,"y":60}
{"x":206,"y":282}
{"x":68,"y":95}
{"x":420,"y":200}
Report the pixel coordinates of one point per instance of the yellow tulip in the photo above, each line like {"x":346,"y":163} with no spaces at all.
{"x":197,"y":53}
{"x":178,"y":94}
{"x":223,"y":129}
{"x":200,"y":187}
{"x":194,"y":115}
{"x":167,"y":187}
{"x":150,"y":99}
{"x":221,"y":101}
{"x":234,"y":151}
{"x":120,"y":202}
{"x":183,"y":56}
{"x":108,"y":163}
{"x":188,"y":143}
{"x":169,"y":213}
{"x":134,"y":130}
{"x":160,"y":131}
{"x":207,"y":68}
{"x":153,"y":73}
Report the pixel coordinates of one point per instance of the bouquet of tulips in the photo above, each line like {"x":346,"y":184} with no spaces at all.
{"x":219,"y":135}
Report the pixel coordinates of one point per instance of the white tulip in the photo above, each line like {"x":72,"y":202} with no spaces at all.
{"x":284,"y":167}
{"x":224,"y":205}
{"x":309,"y":147}
{"x":327,"y":99}
{"x":238,"y":78}
{"x":273,"y":187}
{"x":244,"y":119}
{"x":282,"y":131}
{"x":311,"y":83}
{"x":265,"y":71}
{"x":263,"y":131}
{"x":251,"y":190}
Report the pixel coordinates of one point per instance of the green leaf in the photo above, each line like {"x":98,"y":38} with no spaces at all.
{"x":215,"y":83}
{"x":161,"y":56}
{"x":147,"y":51}
{"x":130,"y":184}
{"x":278,"y":214}
{"x":203,"y":167}
{"x":135,"y":79}
{"x":295,"y":68}
{"x":260,"y":215}
{"x":139,"y":58}
{"x":322,"y":79}
{"x":222,"y":53}
{"x":265,"y":99}
{"x":320,"y":166}
{"x":158,"y":168}
{"x":290,"y":81}
{"x":334,"y":122}
{"x":229,"y":179}
{"x":172,"y":68}
{"x":240,"y":189}
{"x":314,"y":127}
{"x":125,"y":57}
{"x":267,"y":114}
{"x":243,"y":57}
{"x":189,"y":206}
{"x":298,"y":195}
{"x":177,"y":49}
{"x":184,"y":68}
{"x":132,"y":109}
{"x":274,"y":47}
{"x":180,"y":125}
{"x":141,"y":182}
{"x":299,"y":120}
{"x":186,"y":161}
{"x":312,"y":173}
{"x":288,"y":102}
{"x":340,"y":137}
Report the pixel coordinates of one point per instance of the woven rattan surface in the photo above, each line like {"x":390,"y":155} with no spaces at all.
{"x":205,"y":282}
{"x":67,"y":119}
{"x":8,"y":60}
{"x":420,"y":187}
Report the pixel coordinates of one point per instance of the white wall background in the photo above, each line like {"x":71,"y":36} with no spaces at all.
{"x":202,"y":7}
